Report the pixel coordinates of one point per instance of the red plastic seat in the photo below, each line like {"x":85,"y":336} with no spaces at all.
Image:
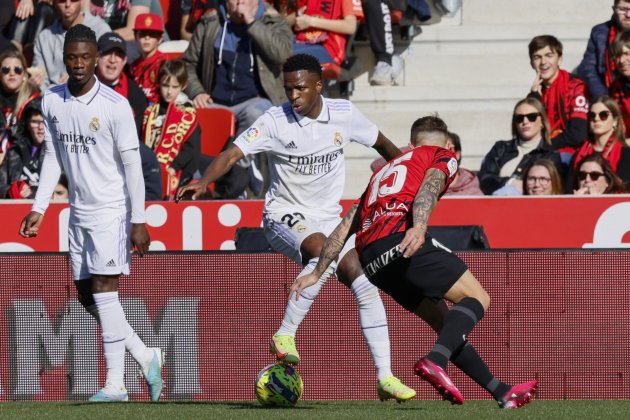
{"x":218,"y":126}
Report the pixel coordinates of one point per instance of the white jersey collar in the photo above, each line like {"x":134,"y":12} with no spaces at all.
{"x":324,"y":115}
{"x":87,"y":97}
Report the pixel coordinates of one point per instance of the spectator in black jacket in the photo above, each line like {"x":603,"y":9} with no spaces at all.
{"x":503,"y":167}
{"x":598,"y":65}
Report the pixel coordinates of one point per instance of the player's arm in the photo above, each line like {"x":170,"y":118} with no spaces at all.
{"x":386,"y":148}
{"x":330,"y":252}
{"x":219,"y":167}
{"x":49,"y":175}
{"x":423,"y":205}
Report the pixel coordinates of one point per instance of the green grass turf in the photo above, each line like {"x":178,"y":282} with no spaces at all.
{"x":361,"y":410}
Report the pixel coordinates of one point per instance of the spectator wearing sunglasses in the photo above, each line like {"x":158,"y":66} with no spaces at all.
{"x":595,"y":176}
{"x":564,"y":96}
{"x":15,"y":93}
{"x":49,"y":43}
{"x":543,"y":178}
{"x":598,"y":65}
{"x":620,"y":89}
{"x":606,"y":138}
{"x":503,"y":167}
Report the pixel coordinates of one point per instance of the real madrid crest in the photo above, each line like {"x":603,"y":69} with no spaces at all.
{"x":338,"y":139}
{"x":95,"y":124}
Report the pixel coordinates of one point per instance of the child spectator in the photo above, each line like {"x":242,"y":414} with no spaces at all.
{"x":149,"y":32}
{"x":24,"y":158}
{"x":322,"y":27}
{"x":542,"y":178}
{"x":595,"y":176}
{"x":170,"y":128}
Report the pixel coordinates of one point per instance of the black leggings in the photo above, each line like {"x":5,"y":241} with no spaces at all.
{"x":379,"y":26}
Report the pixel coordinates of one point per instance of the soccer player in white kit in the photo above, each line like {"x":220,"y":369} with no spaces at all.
{"x":91,"y":135}
{"x":304,"y":140}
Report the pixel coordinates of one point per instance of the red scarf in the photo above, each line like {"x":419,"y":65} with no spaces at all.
{"x":618,"y":93}
{"x":179,"y":123}
{"x":122,"y":86}
{"x":145,"y":73}
{"x":611,"y":152}
{"x":610,"y":63}
{"x":552,"y":99}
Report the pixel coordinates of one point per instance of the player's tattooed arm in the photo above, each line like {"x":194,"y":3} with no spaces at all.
{"x":423,"y":205}
{"x":337,"y":239}
{"x":427,"y":197}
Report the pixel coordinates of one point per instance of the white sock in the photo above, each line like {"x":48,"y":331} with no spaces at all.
{"x":136,"y":347}
{"x":373,"y":324}
{"x":296,"y":310}
{"x":113,"y":325}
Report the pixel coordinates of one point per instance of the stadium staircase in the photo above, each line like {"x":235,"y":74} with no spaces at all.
{"x":471,"y":69}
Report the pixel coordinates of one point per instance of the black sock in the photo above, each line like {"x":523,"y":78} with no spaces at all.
{"x":458,"y":322}
{"x":468,"y":361}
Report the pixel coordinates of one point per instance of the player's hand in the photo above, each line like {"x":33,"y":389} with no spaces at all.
{"x":30,"y":224}
{"x":192,"y":190}
{"x":537,"y":85}
{"x":302,"y":283}
{"x":140,"y":238}
{"x":203,"y":100}
{"x":413,"y":240}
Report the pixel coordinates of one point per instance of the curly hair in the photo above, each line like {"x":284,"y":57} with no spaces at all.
{"x":79,"y":33}
{"x":299,"y":62}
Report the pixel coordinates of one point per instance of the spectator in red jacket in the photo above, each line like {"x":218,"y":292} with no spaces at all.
{"x":564,"y":96}
{"x":149,"y":32}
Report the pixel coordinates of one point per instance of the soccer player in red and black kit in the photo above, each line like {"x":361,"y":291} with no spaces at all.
{"x":400,"y":258}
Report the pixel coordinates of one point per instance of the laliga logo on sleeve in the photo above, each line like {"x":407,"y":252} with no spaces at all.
{"x":452,"y":166}
{"x":251,"y":134}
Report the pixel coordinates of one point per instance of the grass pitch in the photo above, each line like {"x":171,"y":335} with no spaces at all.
{"x":360,"y":410}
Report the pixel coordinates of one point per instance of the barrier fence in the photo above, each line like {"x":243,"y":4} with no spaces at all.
{"x":560,"y":317}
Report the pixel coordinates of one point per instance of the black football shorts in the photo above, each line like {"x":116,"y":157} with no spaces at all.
{"x":429,"y":273}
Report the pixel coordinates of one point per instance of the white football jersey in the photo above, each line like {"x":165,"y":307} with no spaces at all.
{"x":306,"y":160}
{"x":88,"y":134}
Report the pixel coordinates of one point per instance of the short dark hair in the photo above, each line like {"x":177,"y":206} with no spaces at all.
{"x":457,"y":143}
{"x":80,"y":33}
{"x":541,"y":41}
{"x":299,"y":62}
{"x":430,"y":123}
{"x":173,"y":68}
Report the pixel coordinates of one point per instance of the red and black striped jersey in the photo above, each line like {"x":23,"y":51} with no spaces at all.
{"x":386,"y":206}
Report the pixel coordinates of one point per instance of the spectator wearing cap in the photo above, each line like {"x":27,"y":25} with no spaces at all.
{"x":110,"y":66}
{"x":149,"y":31}
{"x":49,"y":42}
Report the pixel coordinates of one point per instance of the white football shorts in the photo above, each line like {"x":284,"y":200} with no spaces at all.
{"x":100,"y":247}
{"x":286,"y":230}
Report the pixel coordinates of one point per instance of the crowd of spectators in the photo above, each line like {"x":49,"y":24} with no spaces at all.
{"x":568,"y":132}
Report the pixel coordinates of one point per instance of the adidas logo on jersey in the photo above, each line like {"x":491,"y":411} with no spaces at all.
{"x":291,"y":145}
{"x":110,"y":263}
{"x":55,"y":120}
